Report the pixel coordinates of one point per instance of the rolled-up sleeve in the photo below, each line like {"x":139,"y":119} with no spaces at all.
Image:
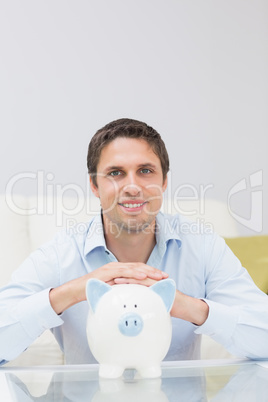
{"x":238,"y":309}
{"x":37,"y":309}
{"x":25,"y":309}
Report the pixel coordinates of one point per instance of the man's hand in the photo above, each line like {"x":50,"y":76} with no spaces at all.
{"x":127,"y":272}
{"x":185,"y":307}
{"x":145,"y":282}
{"x":73,"y":292}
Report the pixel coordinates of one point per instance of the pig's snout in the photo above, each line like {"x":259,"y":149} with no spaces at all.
{"x":130,"y":324}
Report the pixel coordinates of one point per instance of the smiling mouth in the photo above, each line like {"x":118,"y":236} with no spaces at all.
{"x":132,"y":205}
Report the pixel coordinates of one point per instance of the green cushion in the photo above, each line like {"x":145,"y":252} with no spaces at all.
{"x":253,"y":254}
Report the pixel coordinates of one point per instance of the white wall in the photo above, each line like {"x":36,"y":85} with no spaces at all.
{"x":196,"y":70}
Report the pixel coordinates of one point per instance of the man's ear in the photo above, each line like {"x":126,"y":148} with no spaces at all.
{"x":164,"y":187}
{"x":93,"y":187}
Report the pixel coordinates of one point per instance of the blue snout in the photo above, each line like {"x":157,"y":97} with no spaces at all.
{"x":130,"y":324}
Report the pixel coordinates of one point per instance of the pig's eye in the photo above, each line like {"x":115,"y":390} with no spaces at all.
{"x":135,"y":305}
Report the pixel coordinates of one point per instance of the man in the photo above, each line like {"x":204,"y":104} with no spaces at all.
{"x":128,"y":165}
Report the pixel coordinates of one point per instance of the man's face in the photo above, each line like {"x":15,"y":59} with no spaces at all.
{"x":130,"y":184}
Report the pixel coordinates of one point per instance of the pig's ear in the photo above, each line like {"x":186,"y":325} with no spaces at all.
{"x":95,"y":289}
{"x":166,"y":289}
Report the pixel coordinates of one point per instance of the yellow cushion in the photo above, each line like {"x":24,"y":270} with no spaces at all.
{"x":253,"y":253}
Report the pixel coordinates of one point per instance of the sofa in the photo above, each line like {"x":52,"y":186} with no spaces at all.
{"x":29,"y":221}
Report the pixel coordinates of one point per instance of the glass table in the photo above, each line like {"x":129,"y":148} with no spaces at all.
{"x":189,"y":381}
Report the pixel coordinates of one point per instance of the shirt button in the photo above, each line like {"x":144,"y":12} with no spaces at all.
{"x":107,"y":252}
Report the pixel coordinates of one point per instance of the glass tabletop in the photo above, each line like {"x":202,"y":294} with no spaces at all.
{"x":226,"y":380}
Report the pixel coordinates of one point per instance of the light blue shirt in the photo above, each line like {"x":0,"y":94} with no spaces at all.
{"x":201,"y":265}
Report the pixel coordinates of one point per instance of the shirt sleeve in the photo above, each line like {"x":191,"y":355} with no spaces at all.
{"x":25,"y":309}
{"x":238,"y":309}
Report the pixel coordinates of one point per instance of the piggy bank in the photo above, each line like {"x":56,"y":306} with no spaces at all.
{"x":129,"y":326}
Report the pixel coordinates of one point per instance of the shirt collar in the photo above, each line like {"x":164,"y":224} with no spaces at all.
{"x":165,"y":231}
{"x":95,"y":236}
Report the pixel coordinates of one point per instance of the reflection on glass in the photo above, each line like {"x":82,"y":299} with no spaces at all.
{"x":243,"y":383}
{"x":80,"y":386}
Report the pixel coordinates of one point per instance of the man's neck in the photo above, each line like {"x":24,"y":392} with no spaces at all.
{"x":131,"y":246}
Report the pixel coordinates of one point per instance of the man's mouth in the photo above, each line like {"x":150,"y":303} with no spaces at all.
{"x":132,"y":204}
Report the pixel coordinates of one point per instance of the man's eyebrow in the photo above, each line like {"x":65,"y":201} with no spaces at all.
{"x":147,"y":165}
{"x":109,"y":168}
{"x":140,"y":166}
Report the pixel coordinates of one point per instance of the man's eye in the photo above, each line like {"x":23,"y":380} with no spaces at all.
{"x":115,"y":173}
{"x":146,"y":171}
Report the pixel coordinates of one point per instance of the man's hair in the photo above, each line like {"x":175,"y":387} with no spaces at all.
{"x":127,"y":128}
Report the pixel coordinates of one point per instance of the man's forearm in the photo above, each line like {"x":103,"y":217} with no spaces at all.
{"x":65,"y":296}
{"x":73,"y":292}
{"x":189,"y":309}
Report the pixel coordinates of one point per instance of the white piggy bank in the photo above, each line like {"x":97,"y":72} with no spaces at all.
{"x":129,"y":326}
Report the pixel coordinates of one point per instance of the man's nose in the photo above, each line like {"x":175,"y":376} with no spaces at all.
{"x":132,"y":190}
{"x":131,"y":186}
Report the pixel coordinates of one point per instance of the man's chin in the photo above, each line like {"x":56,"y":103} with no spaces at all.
{"x":138,"y":226}
{"x":118,"y":228}
{"x":129,"y":224}
{"x":145,"y":227}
